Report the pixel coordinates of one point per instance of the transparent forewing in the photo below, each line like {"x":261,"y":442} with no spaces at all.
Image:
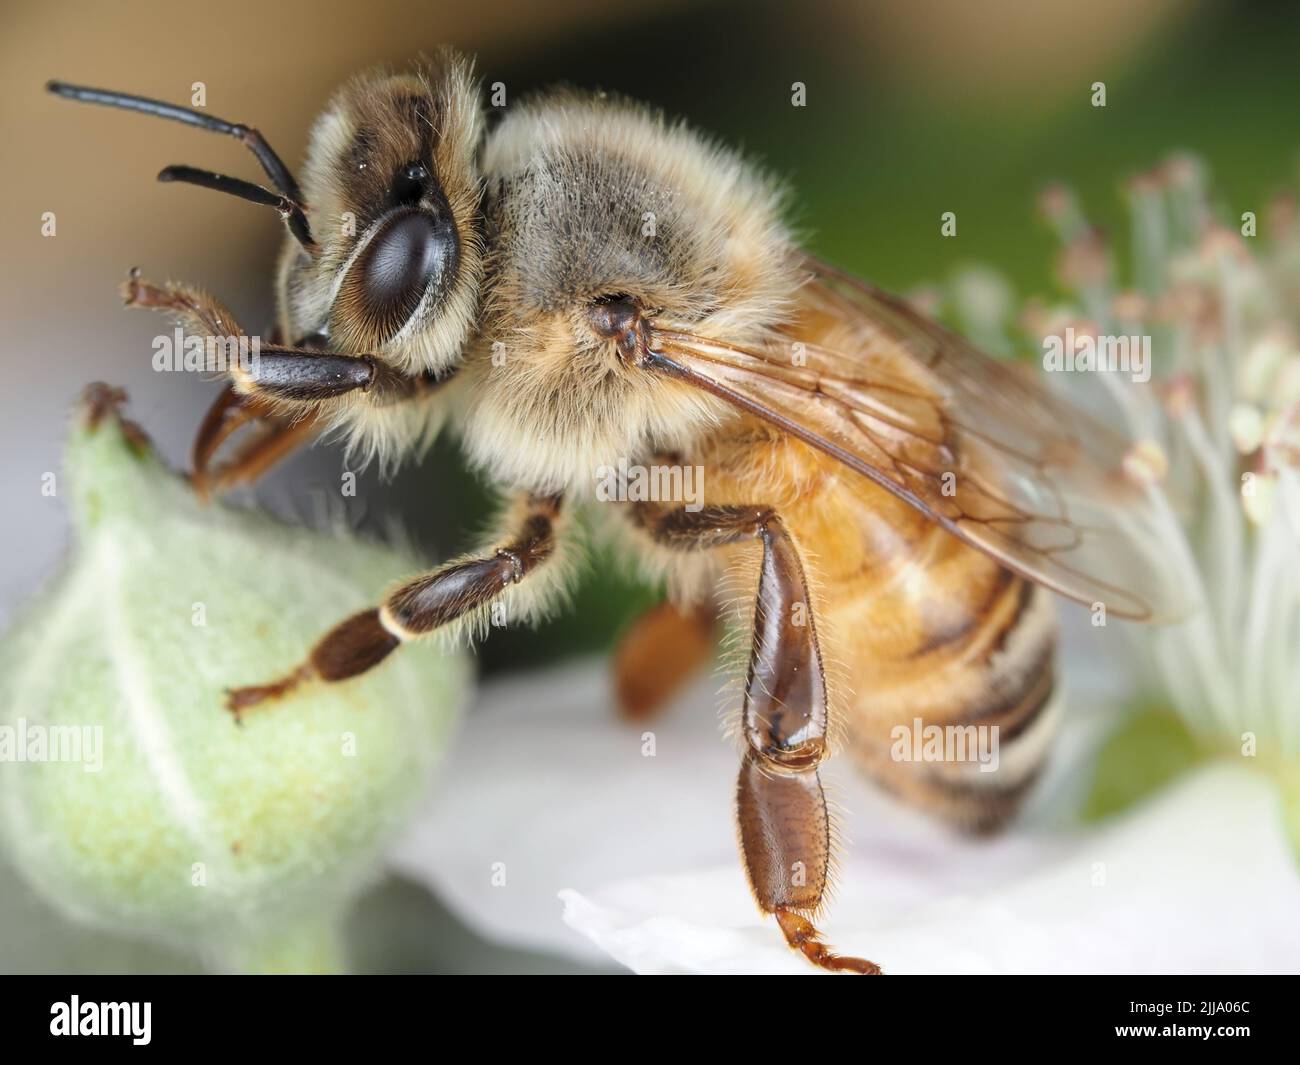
{"x":979,"y":446}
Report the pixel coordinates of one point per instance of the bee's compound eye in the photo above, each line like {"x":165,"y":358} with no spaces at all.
{"x":411,"y":253}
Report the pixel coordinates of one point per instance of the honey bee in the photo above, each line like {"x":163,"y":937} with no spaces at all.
{"x":587,"y":283}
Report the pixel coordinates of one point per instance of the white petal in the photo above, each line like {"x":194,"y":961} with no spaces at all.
{"x":1200,"y":880}
{"x":545,"y":786}
{"x":546,"y":782}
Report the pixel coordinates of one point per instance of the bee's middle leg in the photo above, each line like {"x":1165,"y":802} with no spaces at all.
{"x":785,"y":832}
{"x":417,"y":608}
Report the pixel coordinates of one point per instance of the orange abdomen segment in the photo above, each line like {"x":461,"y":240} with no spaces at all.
{"x":920,"y":632}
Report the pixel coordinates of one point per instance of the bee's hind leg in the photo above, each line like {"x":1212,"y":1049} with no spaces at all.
{"x":785,"y":830}
{"x":786,"y":845}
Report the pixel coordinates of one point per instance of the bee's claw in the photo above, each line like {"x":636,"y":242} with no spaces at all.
{"x":240,"y":699}
{"x":804,"y":937}
{"x":130,"y":288}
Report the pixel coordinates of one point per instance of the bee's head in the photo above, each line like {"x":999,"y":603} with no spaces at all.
{"x":392,"y":192}
{"x":386,"y":255}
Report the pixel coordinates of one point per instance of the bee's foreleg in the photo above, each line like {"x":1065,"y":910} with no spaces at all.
{"x":423,"y":605}
{"x":279,"y":387}
{"x":785,"y":830}
{"x":277,"y":436}
{"x":270,"y":372}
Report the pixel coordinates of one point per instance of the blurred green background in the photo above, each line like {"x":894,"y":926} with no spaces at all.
{"x":913,"y":109}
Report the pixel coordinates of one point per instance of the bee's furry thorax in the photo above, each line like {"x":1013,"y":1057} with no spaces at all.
{"x":592,"y":198}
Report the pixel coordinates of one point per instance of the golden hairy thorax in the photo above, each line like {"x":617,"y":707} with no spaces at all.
{"x":588,"y":200}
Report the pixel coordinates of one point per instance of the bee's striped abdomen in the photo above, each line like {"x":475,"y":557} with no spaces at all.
{"x":920,"y":630}
{"x":928,"y":633}
{"x":965,"y":733}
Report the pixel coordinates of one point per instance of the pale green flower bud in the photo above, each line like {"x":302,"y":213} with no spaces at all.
{"x":130,"y":797}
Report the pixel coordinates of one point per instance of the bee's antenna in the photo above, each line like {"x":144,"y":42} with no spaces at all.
{"x":275,"y":169}
{"x":290,"y":211}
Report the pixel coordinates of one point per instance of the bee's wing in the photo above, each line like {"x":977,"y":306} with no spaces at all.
{"x":989,"y":454}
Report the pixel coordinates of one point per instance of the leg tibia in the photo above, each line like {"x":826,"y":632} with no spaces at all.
{"x":364,"y":640}
{"x":786,"y":710}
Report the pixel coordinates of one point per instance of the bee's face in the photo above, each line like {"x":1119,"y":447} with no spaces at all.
{"x":394,"y":197}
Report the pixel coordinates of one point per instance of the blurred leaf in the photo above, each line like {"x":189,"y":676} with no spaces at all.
{"x":1147,"y":752}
